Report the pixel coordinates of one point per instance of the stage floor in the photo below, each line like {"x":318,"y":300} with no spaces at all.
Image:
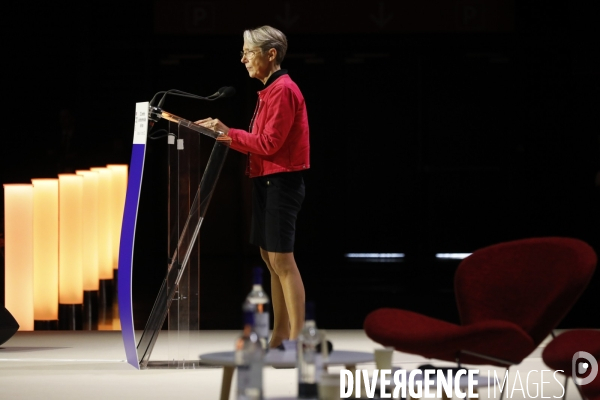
{"x":91,"y":365}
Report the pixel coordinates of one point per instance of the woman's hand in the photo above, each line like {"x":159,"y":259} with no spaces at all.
{"x":213,"y":124}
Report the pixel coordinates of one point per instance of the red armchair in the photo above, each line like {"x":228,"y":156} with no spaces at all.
{"x":510,"y":297}
{"x":558,"y":355}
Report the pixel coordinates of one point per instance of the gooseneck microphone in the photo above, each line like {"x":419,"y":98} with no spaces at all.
{"x":225,"y":91}
{"x":156,"y":113}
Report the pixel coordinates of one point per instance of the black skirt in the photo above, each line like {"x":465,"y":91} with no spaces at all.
{"x":276,"y":201}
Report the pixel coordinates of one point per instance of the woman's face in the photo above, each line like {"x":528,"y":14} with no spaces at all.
{"x":257,"y":62}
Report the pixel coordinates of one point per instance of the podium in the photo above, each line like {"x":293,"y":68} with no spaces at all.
{"x":189,"y":193}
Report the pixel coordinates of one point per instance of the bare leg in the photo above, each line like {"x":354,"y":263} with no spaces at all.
{"x":281,"y":321}
{"x":284,"y":266}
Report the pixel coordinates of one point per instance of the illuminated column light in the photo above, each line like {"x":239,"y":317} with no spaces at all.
{"x":70,"y":239}
{"x":45,"y":249}
{"x":118,"y":193}
{"x":91,"y":280}
{"x":452,"y":256}
{"x":105,"y":263}
{"x":119,"y":190}
{"x":18,"y":235}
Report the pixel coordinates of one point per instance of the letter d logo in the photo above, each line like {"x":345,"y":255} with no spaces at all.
{"x":582,"y":368}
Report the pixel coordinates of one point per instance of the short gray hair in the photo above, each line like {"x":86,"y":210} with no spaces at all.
{"x":266,"y":37}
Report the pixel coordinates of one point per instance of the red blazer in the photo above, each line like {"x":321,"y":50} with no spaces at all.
{"x":278,"y":141}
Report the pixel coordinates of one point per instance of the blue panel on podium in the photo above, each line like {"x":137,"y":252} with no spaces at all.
{"x":132,"y":201}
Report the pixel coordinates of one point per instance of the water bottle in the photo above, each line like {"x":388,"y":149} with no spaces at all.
{"x":309,"y":361}
{"x":258,"y":302}
{"x":249,"y":356}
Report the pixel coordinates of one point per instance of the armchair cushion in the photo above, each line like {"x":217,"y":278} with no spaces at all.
{"x":415,"y":333}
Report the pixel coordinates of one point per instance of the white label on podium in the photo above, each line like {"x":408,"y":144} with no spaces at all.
{"x":140,"y":129}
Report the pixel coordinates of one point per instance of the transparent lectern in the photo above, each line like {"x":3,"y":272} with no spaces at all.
{"x":189,"y":193}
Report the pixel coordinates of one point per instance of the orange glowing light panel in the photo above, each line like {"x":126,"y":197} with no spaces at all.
{"x":70,"y":239}
{"x":18,"y":242}
{"x":90,"y":230}
{"x":45,"y":249}
{"x":119,"y":190}
{"x":105,"y":263}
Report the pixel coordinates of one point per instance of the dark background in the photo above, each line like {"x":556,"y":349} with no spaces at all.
{"x":434,"y":128}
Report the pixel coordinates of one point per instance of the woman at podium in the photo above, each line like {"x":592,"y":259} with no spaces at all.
{"x":277,"y":145}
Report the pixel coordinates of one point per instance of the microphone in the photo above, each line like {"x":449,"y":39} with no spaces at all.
{"x":165,"y":92}
{"x":225,"y":91}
